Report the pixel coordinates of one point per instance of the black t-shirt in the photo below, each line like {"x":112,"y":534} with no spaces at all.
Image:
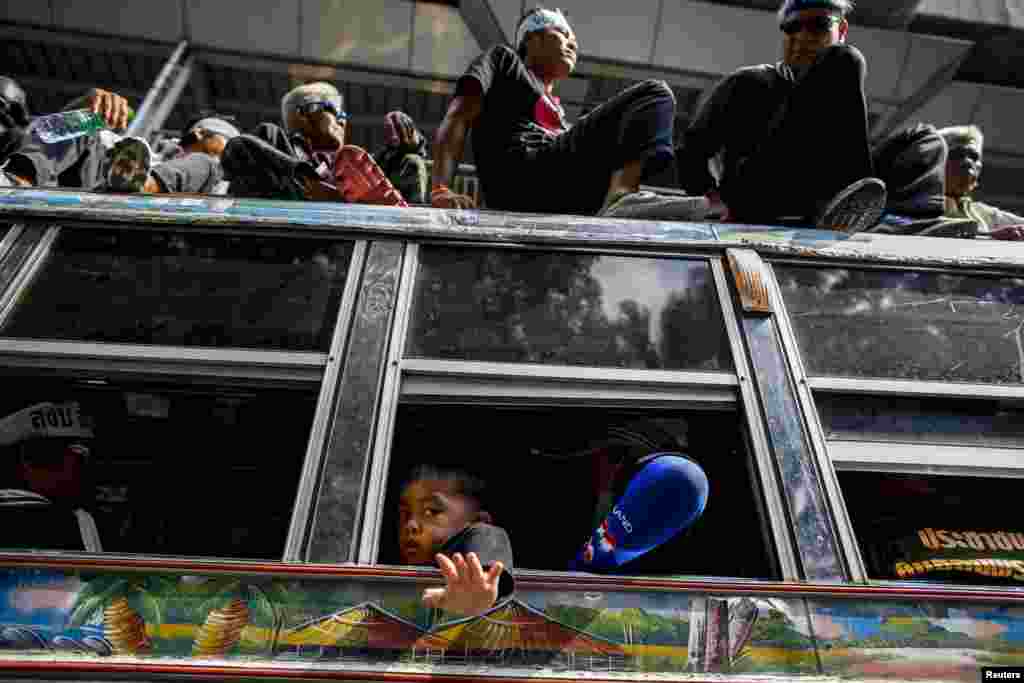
{"x":491,"y":544}
{"x":516,"y":120}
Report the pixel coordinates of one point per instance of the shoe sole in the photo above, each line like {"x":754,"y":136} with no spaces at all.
{"x":858,"y":208}
{"x":137,"y":151}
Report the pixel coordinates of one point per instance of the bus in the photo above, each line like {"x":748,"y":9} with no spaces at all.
{"x":261,"y":375}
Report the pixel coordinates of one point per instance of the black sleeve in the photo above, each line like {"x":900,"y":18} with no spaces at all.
{"x":488,"y":69}
{"x":703,"y":138}
{"x":490,"y":543}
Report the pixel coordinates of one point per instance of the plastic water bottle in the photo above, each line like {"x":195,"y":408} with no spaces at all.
{"x":68,"y":125}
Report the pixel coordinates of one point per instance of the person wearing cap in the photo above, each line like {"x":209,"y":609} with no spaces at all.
{"x":308,"y":158}
{"x":403,"y":158}
{"x":27,"y":161}
{"x":963,"y":175}
{"x":528,"y":156}
{"x":46,"y":447}
{"x":791,"y":137}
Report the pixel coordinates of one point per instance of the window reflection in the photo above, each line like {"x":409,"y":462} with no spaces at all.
{"x":569,"y":309}
{"x":907,"y":325}
{"x":183,"y":289}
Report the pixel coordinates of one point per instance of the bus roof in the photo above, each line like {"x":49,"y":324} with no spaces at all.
{"x":498,"y":227}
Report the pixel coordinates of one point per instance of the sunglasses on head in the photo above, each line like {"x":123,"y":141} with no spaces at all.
{"x":327,"y":106}
{"x":818,"y":25}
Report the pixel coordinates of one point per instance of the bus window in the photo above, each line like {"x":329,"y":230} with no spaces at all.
{"x":567,"y":309}
{"x":181,"y":289}
{"x":936,"y":528}
{"x":906,"y":325}
{"x":546,"y":470}
{"x":948,"y":420}
{"x":167,"y":469}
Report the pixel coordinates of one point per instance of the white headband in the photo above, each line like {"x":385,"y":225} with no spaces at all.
{"x":45,"y":420}
{"x":540,"y":20}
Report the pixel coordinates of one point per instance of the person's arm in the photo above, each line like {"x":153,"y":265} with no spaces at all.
{"x":449,"y":144}
{"x":110,"y":105}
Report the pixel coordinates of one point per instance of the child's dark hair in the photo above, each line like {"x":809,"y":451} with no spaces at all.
{"x":466,"y":484}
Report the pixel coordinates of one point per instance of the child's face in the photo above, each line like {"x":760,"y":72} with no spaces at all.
{"x":429,"y":513}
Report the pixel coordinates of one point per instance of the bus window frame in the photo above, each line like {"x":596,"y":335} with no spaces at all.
{"x":457,"y":381}
{"x":901,"y":457}
{"x":266,"y":368}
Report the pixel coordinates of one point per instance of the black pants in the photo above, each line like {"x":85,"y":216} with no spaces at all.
{"x":263,"y":165}
{"x":818,"y":146}
{"x":570,"y":174}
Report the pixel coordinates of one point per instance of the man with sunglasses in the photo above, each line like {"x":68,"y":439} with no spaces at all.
{"x":46,"y":448}
{"x":791,"y":138}
{"x":963,"y":175}
{"x":307,"y":159}
{"x":527,"y":155}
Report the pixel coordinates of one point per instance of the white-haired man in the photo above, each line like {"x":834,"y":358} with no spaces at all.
{"x":792,"y":136}
{"x":45,"y":448}
{"x":963,"y":174}
{"x":530,"y":159}
{"x":308,"y":158}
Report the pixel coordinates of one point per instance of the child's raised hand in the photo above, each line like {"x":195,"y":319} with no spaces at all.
{"x":468,"y":590}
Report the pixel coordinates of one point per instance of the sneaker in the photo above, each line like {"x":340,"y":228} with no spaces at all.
{"x":361,"y":180}
{"x":658,"y":207}
{"x":742,"y":617}
{"x":858,"y":207}
{"x":131,"y":160}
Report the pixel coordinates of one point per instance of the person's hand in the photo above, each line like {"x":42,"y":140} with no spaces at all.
{"x":443,"y":198}
{"x":1009,"y":233}
{"x":404,"y":128}
{"x":468,"y":590}
{"x":111,"y":106}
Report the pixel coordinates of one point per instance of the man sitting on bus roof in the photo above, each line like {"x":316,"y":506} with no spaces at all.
{"x":527,"y":155}
{"x":308,"y":158}
{"x":194,"y":169}
{"x":45,"y":449}
{"x":963,"y":173}
{"x":792,"y":135}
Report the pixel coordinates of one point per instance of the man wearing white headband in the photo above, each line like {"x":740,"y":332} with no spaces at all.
{"x":527,"y":155}
{"x":45,"y":448}
{"x":793,"y":135}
